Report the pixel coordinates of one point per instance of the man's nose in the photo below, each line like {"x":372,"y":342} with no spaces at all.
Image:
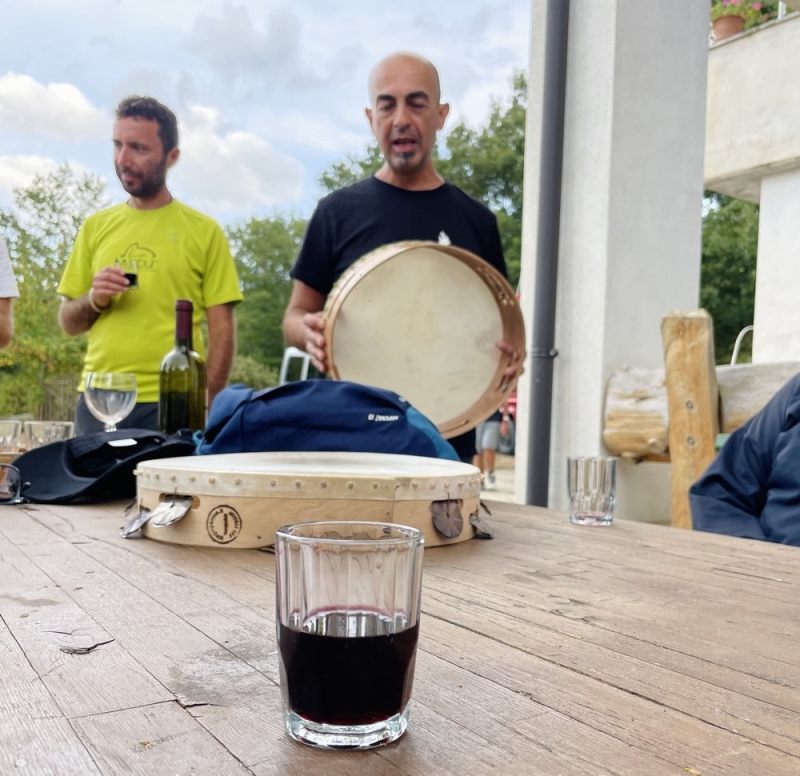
{"x":400,"y":117}
{"x":123,"y":156}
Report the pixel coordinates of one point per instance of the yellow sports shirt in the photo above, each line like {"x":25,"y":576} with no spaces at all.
{"x":178,"y":253}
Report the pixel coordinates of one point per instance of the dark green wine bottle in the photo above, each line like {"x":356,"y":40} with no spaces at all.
{"x":182,"y":379}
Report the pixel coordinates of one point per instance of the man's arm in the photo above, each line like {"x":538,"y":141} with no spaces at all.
{"x":221,"y":346}
{"x":6,"y":322}
{"x":730,"y":496}
{"x":303,"y":325}
{"x":76,"y":316}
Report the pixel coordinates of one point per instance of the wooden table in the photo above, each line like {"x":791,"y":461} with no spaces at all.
{"x":553,"y":649}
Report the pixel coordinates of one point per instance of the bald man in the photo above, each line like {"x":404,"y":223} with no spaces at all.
{"x":406,"y":199}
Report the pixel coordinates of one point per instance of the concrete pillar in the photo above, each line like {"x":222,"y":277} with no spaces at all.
{"x":776,"y":336}
{"x":631,"y":216}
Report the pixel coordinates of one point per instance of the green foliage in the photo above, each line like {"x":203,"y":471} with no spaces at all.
{"x":40,"y":229}
{"x":352,"y":170}
{"x":753,"y":12}
{"x":252,"y":373}
{"x":265,"y":250}
{"x":487,"y":163}
{"x":728,"y":272}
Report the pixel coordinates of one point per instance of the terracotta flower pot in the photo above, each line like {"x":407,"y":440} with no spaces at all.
{"x":726,"y":26}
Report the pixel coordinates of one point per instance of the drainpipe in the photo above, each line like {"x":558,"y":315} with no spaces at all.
{"x":544,"y":314}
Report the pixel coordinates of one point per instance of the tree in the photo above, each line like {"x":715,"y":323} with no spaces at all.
{"x":728,"y":271}
{"x":264,"y":249}
{"x":487,"y":163}
{"x":40,"y":229}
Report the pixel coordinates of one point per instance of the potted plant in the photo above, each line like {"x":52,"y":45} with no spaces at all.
{"x":730,"y":17}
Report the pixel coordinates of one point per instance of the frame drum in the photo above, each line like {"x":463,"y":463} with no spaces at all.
{"x":239,"y":500}
{"x":422,"y":319}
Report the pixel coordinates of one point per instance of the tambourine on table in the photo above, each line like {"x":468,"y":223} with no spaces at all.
{"x":239,"y":500}
{"x":423,"y":319}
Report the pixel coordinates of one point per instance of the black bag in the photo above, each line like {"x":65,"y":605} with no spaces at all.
{"x":95,"y":467}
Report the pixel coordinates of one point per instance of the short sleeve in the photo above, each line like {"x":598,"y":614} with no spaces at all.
{"x":220,"y":282}
{"x":316,"y":262}
{"x":78,"y":274}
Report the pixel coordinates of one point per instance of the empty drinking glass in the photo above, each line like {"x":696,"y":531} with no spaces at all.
{"x":591,"y":483}
{"x":44,"y":432}
{"x":9,"y":436}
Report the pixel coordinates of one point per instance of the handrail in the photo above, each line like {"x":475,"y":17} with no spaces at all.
{"x":288,"y":355}
{"x":736,"y":345}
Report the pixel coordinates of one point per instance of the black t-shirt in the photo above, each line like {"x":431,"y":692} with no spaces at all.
{"x":351,"y":222}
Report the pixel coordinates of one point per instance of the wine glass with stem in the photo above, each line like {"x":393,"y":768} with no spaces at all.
{"x":110,"y":396}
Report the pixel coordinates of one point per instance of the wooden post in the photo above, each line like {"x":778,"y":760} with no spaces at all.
{"x":692,"y":398}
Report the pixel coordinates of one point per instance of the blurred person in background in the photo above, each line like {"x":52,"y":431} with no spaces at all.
{"x":8,"y":293}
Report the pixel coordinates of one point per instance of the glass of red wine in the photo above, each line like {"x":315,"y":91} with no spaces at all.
{"x":348,"y":606}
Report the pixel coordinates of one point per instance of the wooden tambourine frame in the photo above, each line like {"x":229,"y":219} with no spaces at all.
{"x":422,"y":319}
{"x":239,"y":500}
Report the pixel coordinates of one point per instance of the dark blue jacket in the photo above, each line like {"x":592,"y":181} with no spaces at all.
{"x":752,"y":489}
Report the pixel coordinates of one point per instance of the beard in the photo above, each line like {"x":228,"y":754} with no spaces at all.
{"x":406,"y":162}
{"x":146,"y":184}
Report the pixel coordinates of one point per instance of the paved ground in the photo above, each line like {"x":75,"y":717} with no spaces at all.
{"x":504,"y":477}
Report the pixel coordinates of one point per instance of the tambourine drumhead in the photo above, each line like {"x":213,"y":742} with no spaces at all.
{"x":422,"y":319}
{"x":239,"y":500}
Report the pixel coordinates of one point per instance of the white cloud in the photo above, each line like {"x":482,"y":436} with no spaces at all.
{"x":57,"y":110}
{"x":226,"y":173}
{"x":232,"y":45}
{"x":17,"y":172}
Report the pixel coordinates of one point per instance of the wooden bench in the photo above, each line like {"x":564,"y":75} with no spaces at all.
{"x":674,"y":414}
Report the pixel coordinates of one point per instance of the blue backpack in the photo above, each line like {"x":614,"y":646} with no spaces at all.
{"x":319,"y":415}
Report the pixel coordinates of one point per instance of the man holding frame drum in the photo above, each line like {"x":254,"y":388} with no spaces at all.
{"x":406,"y":199}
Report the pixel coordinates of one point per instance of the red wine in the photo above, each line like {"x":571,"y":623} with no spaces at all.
{"x":182,"y":379}
{"x":347,"y":680}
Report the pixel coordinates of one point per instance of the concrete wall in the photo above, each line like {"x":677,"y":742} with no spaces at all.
{"x":631,"y":220}
{"x":753,"y":114}
{"x":776,"y":336}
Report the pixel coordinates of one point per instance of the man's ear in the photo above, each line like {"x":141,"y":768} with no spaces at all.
{"x":368,"y":114}
{"x":444,"y":111}
{"x":172,"y":157}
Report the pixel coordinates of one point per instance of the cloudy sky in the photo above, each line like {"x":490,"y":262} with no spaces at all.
{"x":268,"y":93}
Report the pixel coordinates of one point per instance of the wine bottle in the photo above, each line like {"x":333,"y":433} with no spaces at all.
{"x":182,"y":379}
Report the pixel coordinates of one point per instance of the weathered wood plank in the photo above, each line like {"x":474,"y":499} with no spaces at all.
{"x":45,"y":621}
{"x":688,"y":340}
{"x":635,"y":417}
{"x":650,"y":671}
{"x":668,"y":734}
{"x":552,"y":649}
{"x":161,"y":738}
{"x":34,"y":736}
{"x":744,"y":389}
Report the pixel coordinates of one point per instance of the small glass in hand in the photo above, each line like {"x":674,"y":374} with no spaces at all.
{"x":110,"y":396}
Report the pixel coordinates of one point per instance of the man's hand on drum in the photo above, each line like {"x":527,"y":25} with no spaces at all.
{"x":315,"y":341}
{"x":514,"y":367}
{"x":106,"y":284}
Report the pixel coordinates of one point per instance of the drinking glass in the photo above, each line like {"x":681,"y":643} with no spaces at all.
{"x":591,"y":485}
{"x":110,"y":396}
{"x":9,"y":436}
{"x":348,"y":605}
{"x":44,"y":432}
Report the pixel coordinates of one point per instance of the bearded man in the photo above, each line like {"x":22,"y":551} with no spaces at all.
{"x":130,"y":263}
